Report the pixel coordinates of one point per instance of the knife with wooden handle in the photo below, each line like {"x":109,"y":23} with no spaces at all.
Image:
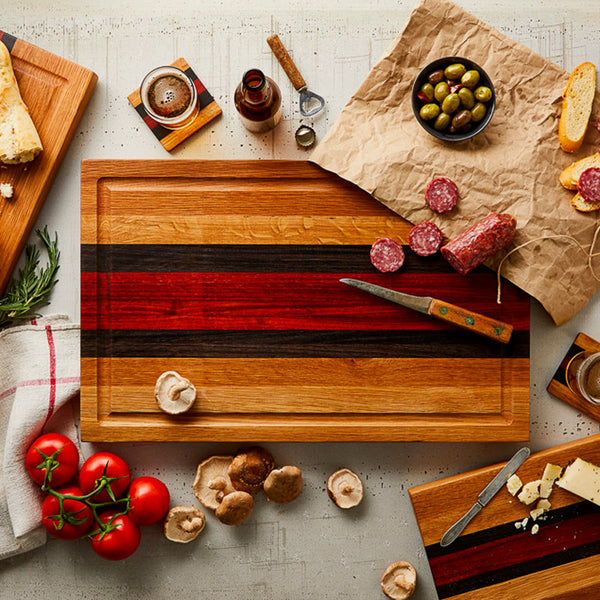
{"x":461,"y":317}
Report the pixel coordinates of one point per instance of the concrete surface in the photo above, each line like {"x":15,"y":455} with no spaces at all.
{"x":309,"y":549}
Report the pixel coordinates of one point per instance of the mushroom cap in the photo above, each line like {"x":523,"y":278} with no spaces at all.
{"x":212,"y":483}
{"x":345,"y":488}
{"x":283,"y":485}
{"x":249,"y":469}
{"x":235,"y":508}
{"x":183,"y":524}
{"x":175,"y":394}
{"x":399,"y":580}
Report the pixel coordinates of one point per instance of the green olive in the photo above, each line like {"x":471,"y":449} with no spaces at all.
{"x":429,"y":111}
{"x":467,"y":99}
{"x":427,"y":89}
{"x":470,"y":79}
{"x":478,"y":112}
{"x":442,"y":89}
{"x":442,"y":121}
{"x":461,"y":119}
{"x":451,"y":103}
{"x":455,"y":71}
{"x":483,"y":94}
{"x":435,"y":77}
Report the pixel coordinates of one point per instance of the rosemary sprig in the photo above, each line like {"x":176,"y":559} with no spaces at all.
{"x":33,"y":285}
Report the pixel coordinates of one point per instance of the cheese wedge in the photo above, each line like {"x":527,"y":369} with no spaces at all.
{"x":582,"y":478}
{"x":19,"y":139}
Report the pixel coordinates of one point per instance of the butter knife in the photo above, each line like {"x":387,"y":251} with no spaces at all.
{"x":488,"y":493}
{"x":467,"y":319}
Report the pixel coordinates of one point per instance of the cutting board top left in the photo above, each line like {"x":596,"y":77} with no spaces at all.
{"x":56,"y":92}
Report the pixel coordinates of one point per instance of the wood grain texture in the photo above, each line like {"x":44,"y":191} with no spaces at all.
{"x":286,"y":62}
{"x":56,"y":92}
{"x":492,"y":558}
{"x":276,"y":346}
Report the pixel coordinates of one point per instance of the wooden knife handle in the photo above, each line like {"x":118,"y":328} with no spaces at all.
{"x":285,"y":60}
{"x":495,"y":330}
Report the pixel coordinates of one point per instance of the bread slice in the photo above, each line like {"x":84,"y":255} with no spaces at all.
{"x":577,"y":106}
{"x":19,"y":139}
{"x":569,"y":178}
{"x":582,"y":205}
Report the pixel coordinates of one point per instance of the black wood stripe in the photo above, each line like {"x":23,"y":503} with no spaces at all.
{"x":299,"y":344}
{"x":8,"y":40}
{"x":245,"y":258}
{"x":561,"y":371}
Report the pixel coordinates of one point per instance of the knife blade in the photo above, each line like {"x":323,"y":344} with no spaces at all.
{"x":486,"y":495}
{"x":444,"y":311}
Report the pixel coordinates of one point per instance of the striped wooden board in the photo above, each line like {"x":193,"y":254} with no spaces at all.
{"x":227,"y":272}
{"x":495,"y":560}
{"x":56,"y":92}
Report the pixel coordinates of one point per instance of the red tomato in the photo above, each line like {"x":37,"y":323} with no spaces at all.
{"x":104,"y":466}
{"x":120,"y":541}
{"x":75,"y":520}
{"x":55,"y":453}
{"x":149,"y":500}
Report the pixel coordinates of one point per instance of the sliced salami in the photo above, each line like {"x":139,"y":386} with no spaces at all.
{"x":387,"y":255}
{"x":441,"y":195}
{"x":425,"y":238}
{"x":589,"y":184}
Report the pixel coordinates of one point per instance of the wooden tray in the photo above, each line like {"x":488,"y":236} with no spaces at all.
{"x":227,"y":272}
{"x":495,"y":560}
{"x":56,"y":91}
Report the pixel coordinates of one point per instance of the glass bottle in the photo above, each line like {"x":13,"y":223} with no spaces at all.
{"x":258,"y":101}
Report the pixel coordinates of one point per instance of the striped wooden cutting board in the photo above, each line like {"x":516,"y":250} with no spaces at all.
{"x":227,"y":272}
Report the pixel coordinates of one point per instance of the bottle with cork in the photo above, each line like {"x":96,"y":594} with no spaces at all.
{"x":258,"y":101}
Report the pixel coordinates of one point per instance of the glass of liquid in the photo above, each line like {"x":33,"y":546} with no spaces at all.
{"x":583,"y":376}
{"x":169,"y":97}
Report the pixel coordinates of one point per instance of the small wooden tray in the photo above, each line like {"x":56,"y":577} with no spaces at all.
{"x":558,"y":386}
{"x":170,"y":138}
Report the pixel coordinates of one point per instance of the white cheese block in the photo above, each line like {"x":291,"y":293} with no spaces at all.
{"x":551,"y":474}
{"x":513,"y":485}
{"x":530,"y":492}
{"x":583,"y":479}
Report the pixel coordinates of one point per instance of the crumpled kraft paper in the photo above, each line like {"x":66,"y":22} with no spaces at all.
{"x":512,"y":166}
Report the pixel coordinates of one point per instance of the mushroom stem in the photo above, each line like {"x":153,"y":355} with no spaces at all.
{"x":190,"y":525}
{"x":347,"y":490}
{"x":176,"y":389}
{"x":218,"y":483}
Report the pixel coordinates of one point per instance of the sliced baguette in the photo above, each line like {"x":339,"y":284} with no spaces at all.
{"x":582,"y":205}
{"x":577,"y":106}
{"x":569,"y":178}
{"x":19,"y":139}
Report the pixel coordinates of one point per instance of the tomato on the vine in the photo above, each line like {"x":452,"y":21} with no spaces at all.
{"x":107,"y":466}
{"x":120,"y":540}
{"x":73,"y":522}
{"x":149,"y":500}
{"x":55,"y":453}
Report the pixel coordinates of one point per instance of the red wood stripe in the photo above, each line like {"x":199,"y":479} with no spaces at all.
{"x":279,"y":301}
{"x":513,"y":550}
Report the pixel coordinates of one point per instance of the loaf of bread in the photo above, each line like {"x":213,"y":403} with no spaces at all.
{"x":19,"y":139}
{"x":577,"y":106}
{"x":570,"y":176}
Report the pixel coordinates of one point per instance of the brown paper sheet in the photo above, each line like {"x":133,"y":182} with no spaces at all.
{"x":512,"y":166}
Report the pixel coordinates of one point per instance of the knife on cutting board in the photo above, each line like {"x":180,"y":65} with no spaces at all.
{"x":467,"y":319}
{"x":488,"y":493}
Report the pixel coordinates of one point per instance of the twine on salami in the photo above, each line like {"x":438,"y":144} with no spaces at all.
{"x":589,"y":253}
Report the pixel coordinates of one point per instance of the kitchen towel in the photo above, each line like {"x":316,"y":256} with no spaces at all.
{"x":39,"y":375}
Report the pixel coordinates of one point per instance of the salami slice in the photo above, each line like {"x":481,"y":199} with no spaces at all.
{"x":589,"y":184}
{"x":480,"y":241}
{"x":441,"y":195}
{"x":425,"y":238}
{"x":387,"y":255}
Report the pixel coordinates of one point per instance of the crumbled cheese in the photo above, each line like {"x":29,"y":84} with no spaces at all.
{"x":6,"y":190}
{"x":514,"y":484}
{"x":518,"y":524}
{"x":551,"y":474}
{"x":542,"y":506}
{"x":530,"y":492}
{"x":524,"y":522}
{"x":535,"y":529}
{"x":583,"y":479}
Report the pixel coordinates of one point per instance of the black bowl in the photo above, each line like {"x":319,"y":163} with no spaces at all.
{"x":442,"y":63}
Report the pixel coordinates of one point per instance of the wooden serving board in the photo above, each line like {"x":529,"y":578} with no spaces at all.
{"x":227,"y":272}
{"x":495,"y":560}
{"x":56,"y":92}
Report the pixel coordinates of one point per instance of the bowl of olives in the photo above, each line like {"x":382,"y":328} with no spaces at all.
{"x":453,"y":98}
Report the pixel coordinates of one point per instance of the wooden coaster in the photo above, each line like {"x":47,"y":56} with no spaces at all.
{"x":170,"y":138}
{"x":558,"y":386}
